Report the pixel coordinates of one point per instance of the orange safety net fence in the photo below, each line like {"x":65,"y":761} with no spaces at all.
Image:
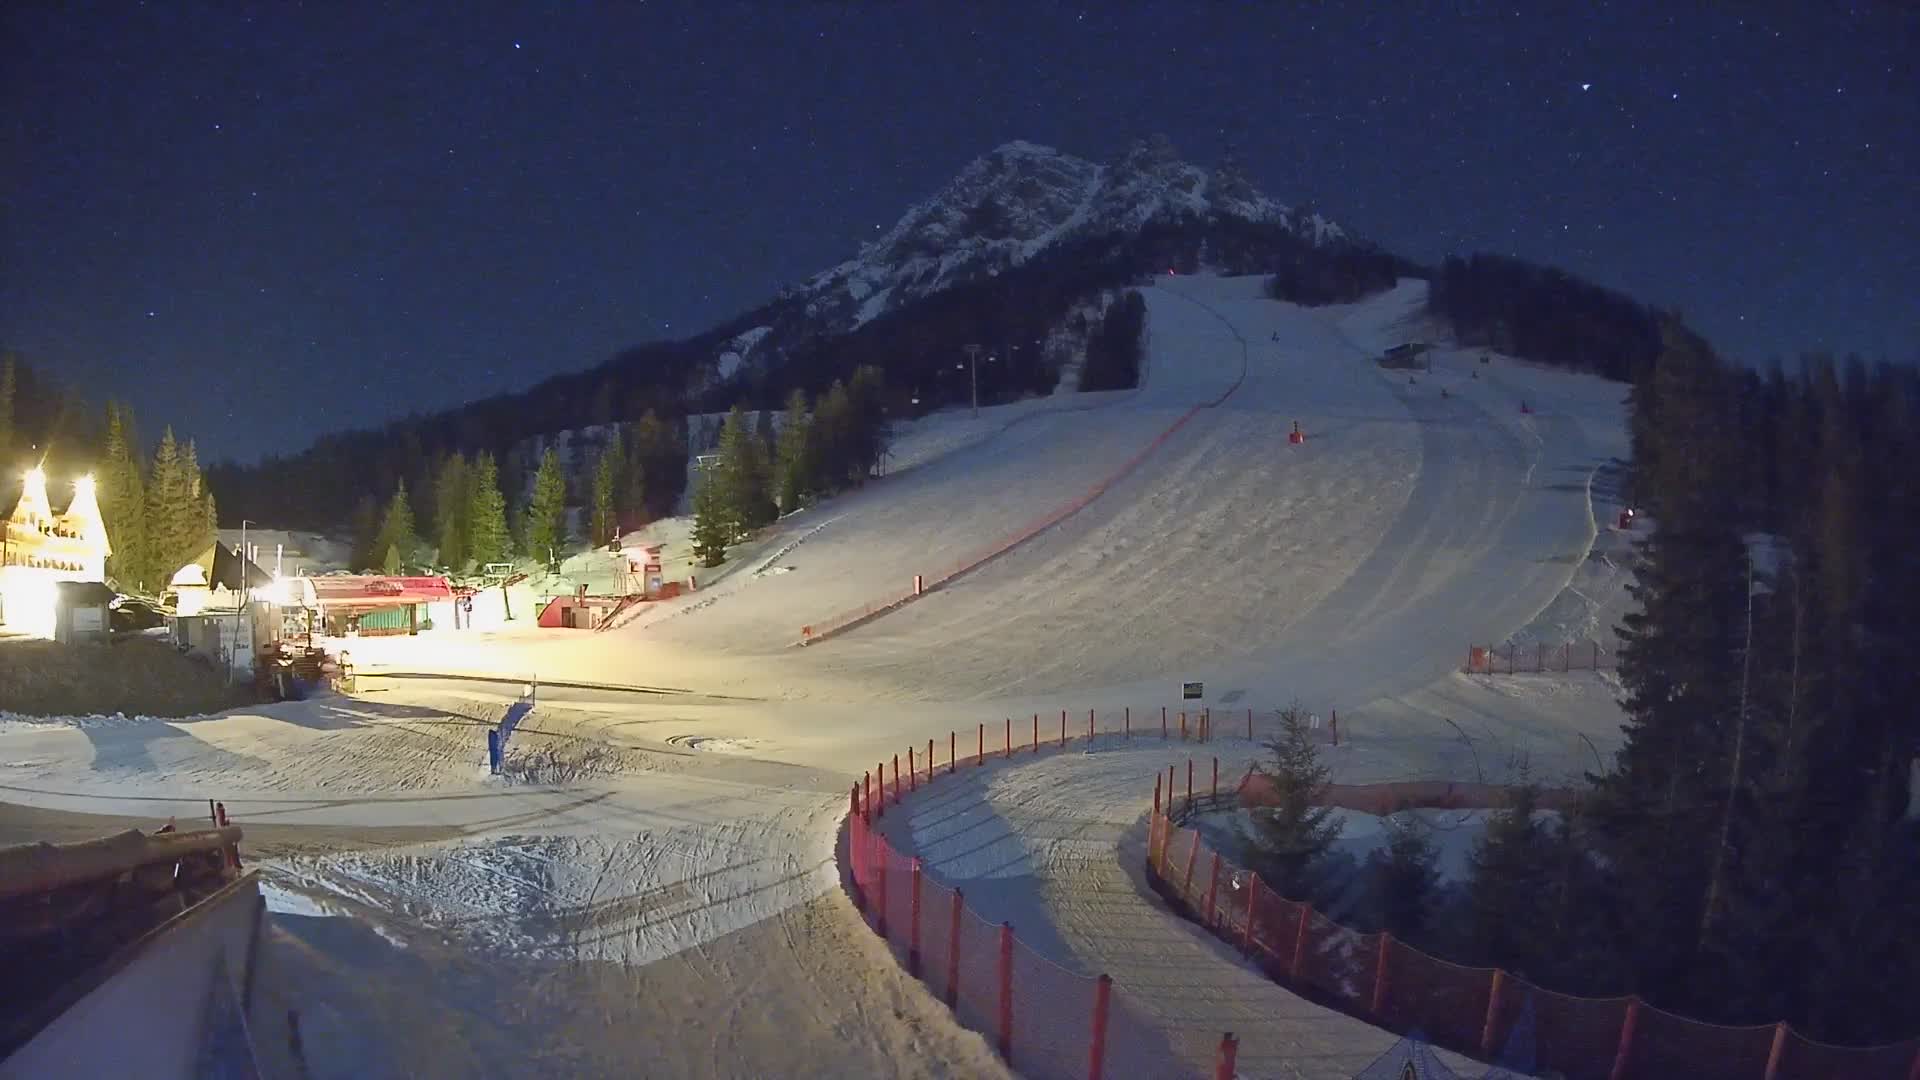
{"x":1526,"y":1026}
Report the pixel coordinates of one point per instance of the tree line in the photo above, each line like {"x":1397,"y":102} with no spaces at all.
{"x":818,"y":449}
{"x":158,"y":508}
{"x":1545,"y":315}
{"x":1747,"y":856}
{"x":470,"y":514}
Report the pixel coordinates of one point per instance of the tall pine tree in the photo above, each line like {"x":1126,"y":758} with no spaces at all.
{"x":1288,"y":838}
{"x":1657,"y":810}
{"x":713,"y":521}
{"x":170,"y":513}
{"x":742,"y":477}
{"x":452,"y":511}
{"x":609,"y":481}
{"x":487,"y":540}
{"x":122,"y":492}
{"x":397,"y":543}
{"x":546,"y":523}
{"x":793,"y":464}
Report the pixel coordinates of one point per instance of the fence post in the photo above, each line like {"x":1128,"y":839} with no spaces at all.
{"x":1097,"y":1046}
{"x":1126,"y":721}
{"x":930,"y":761}
{"x":853,"y":808}
{"x":1224,"y":1057}
{"x":953,"y":951}
{"x":856,"y":841}
{"x":1183,"y":725}
{"x":1063,"y":727}
{"x":1493,"y":1011}
{"x":913,"y":774}
{"x":953,"y":751}
{"x":1189,"y":785}
{"x":1007,"y":751}
{"x":1169,"y":791}
{"x":1006,"y":991}
{"x":1253,"y":908}
{"x":896,"y":778}
{"x":980,"y":752}
{"x":1216,"y":777}
{"x":1778,"y":1051}
{"x":1035,"y":744}
{"x":1300,"y":943}
{"x":1163,"y":721}
{"x":1380,"y":974}
{"x":1213,"y":891}
{"x":880,"y":885}
{"x":1156,"y":792}
{"x":1625,"y":1050}
{"x":880,"y":786}
{"x":214,"y":819}
{"x":1089,"y":727}
{"x":1333,"y":724}
{"x":913,"y":938}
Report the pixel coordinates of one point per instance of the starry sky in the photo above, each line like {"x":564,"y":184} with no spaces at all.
{"x":264,"y":222}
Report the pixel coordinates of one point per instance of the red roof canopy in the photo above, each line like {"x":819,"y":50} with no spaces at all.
{"x":368,"y":590}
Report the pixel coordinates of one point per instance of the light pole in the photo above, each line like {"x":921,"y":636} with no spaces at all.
{"x":243,"y":556}
{"x":973,"y":369}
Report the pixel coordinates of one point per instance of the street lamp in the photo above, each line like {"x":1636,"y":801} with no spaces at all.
{"x":973,"y":367}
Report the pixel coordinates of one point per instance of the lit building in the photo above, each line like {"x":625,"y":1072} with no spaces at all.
{"x":39,"y":548}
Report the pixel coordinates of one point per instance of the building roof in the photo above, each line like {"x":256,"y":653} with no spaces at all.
{"x":375,"y":590}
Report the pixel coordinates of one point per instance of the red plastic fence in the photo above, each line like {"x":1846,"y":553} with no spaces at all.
{"x":1516,"y":659}
{"x":1478,"y":1010}
{"x":1048,"y":1020}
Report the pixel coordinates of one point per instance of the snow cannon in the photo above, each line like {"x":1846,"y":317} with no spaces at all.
{"x":1626,"y":518}
{"x":1296,"y":436}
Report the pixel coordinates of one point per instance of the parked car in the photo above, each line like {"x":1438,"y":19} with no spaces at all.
{"x":128,"y":614}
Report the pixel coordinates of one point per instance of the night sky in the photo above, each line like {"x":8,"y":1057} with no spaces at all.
{"x":261,"y":222}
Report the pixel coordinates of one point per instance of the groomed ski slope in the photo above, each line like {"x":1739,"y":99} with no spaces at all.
{"x":1350,"y":572}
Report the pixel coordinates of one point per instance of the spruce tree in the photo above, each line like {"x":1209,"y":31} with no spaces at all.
{"x":793,"y":465}
{"x":453,"y":507}
{"x":488,"y":540}
{"x":1288,"y":837}
{"x":632,"y":501}
{"x":832,"y":440}
{"x":122,"y":494}
{"x":546,"y":515}
{"x":742,"y":477}
{"x":169,"y":509}
{"x":1509,"y":902}
{"x":660,"y":456}
{"x":1404,"y":877}
{"x":396,"y":542}
{"x":199,"y":524}
{"x":364,"y":526}
{"x":1657,"y":811}
{"x":609,"y":477}
{"x":713,"y":521}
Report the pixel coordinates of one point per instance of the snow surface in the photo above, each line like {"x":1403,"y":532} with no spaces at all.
{"x":709,"y":759}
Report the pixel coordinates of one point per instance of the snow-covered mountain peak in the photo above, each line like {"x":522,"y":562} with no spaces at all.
{"x":1021,"y":198}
